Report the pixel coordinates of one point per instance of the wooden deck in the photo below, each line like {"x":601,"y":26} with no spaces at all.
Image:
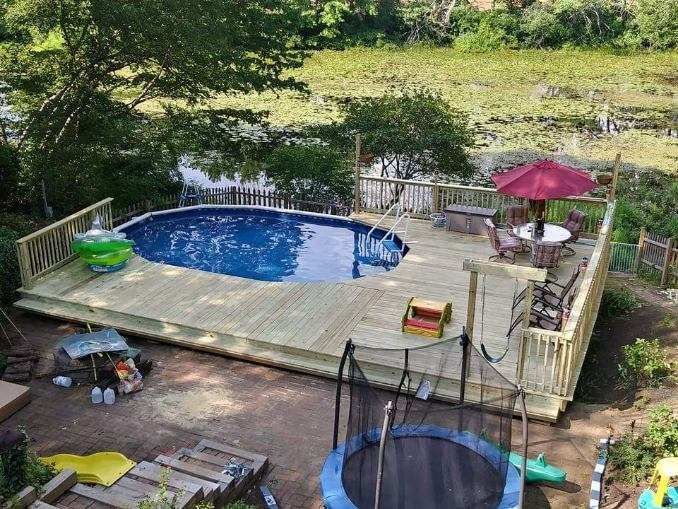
{"x":301,"y":326}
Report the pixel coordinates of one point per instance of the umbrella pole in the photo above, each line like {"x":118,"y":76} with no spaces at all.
{"x":538,"y":208}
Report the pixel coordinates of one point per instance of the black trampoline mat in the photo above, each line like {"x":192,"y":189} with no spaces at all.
{"x":423,"y":473}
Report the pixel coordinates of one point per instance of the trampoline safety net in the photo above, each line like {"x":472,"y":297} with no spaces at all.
{"x":438,"y":451}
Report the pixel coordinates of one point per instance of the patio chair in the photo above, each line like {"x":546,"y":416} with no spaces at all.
{"x":552,"y":320}
{"x":545,"y":255}
{"x":517,"y":215}
{"x":574,"y":223}
{"x":552,"y":294}
{"x":502,"y":246}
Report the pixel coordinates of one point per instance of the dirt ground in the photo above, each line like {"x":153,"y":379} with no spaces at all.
{"x":288,"y":416}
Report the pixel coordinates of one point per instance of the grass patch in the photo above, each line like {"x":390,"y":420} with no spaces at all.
{"x":634,"y":455}
{"x":644,"y":364}
{"x":534,"y":100}
{"x":617,"y":302}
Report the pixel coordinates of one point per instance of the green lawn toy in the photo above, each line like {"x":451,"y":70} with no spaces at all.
{"x":539,"y":470}
{"x":103,"y":250}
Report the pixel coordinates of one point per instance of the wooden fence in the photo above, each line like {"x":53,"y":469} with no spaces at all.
{"x":658,"y":254}
{"x":49,"y":248}
{"x":420,"y":199}
{"x":231,"y":195}
{"x":654,"y":254}
{"x":551,"y":361}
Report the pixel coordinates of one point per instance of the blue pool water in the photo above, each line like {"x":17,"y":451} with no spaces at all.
{"x":261,"y":244}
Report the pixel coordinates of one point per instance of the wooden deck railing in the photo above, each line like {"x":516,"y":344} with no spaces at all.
{"x":551,"y":361}
{"x":48,"y":249}
{"x":420,"y":199}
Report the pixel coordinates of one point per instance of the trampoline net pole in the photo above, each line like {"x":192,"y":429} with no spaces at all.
{"x":523,"y":466}
{"x":337,"y":402}
{"x":382,"y":442}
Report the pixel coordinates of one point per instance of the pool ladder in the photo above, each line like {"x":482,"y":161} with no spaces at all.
{"x":402,"y":220}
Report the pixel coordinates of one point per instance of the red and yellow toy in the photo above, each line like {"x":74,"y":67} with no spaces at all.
{"x":426,"y":317}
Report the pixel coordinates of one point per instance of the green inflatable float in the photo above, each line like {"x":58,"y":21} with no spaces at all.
{"x":103,"y":250}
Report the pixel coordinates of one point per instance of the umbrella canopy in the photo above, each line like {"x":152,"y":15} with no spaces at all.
{"x":543,"y":180}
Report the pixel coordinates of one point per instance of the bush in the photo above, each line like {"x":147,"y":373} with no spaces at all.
{"x":633,"y":457}
{"x":9,"y":265}
{"x":20,"y":467}
{"x":644,"y":363}
{"x":485,"y":38}
{"x":541,"y":28}
{"x":617,"y":302}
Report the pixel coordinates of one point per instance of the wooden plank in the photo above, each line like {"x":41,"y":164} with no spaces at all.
{"x":179,"y":480}
{"x":502,"y":269}
{"x":39,"y":504}
{"x":206,"y":443}
{"x":224,"y":481}
{"x":23,"y":499}
{"x":97,"y":493}
{"x":59,"y":484}
{"x":13,"y":397}
{"x":183,"y":498}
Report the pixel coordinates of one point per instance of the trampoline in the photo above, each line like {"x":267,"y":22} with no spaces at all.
{"x":435,"y":454}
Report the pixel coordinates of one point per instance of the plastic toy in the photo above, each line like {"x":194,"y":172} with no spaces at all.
{"x":665,"y":495}
{"x":538,"y":470}
{"x":103,"y":250}
{"x":426,"y":317}
{"x":99,"y":468}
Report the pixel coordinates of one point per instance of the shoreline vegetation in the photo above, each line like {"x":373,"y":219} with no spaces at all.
{"x":517,"y":101}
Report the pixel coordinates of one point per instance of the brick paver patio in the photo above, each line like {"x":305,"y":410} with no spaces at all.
{"x":191,"y":395}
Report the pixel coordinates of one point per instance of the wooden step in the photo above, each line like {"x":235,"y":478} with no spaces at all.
{"x":224,"y":452}
{"x":225,"y":483}
{"x":204,"y":490}
{"x":39,"y":504}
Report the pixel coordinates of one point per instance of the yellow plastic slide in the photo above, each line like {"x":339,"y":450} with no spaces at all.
{"x":98,"y":468}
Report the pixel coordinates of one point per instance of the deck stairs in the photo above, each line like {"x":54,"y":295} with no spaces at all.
{"x":399,"y":228}
{"x":211,"y":472}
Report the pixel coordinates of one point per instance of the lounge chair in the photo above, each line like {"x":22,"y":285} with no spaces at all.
{"x":517,"y":215}
{"x":574,"y":223}
{"x":502,"y":246}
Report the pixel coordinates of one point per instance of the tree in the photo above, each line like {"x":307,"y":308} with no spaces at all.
{"x":412,"y":135}
{"x":311,"y":172}
{"x":80,"y":73}
{"x":657,"y":23}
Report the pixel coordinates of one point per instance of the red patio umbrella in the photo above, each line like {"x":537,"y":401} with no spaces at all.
{"x":543,"y":180}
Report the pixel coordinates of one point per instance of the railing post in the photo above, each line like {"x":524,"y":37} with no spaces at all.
{"x":24,"y":264}
{"x":436,"y":197}
{"x":615,"y":176}
{"x":666,"y":266}
{"x":639,"y":253}
{"x":356,"y":191}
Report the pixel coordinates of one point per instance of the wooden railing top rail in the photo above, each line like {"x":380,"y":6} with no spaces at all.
{"x":65,"y":220}
{"x":426,"y":183}
{"x":592,"y":272}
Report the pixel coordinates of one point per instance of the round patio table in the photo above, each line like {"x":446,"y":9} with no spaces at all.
{"x":552,"y":233}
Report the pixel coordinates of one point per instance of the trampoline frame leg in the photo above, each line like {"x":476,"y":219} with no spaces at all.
{"x":388,"y":411}
{"x":523,"y":466}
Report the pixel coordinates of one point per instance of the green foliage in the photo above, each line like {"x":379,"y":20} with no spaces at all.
{"x":413,"y":134}
{"x":310,"y":172}
{"x":485,"y":38}
{"x":79,"y":77}
{"x":644,"y":363}
{"x":634,"y":456}
{"x":656,"y":23}
{"x":164,"y":499}
{"x":646,"y":199}
{"x":239,"y":504}
{"x":20,"y":467}
{"x":9,"y":265}
{"x":617,"y":302}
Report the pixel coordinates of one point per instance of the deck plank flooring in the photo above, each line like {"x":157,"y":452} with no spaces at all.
{"x":306,"y":323}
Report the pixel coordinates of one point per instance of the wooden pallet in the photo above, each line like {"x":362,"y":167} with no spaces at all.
{"x":191,"y":475}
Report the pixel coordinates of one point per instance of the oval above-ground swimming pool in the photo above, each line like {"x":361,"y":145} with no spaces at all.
{"x":261,"y":243}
